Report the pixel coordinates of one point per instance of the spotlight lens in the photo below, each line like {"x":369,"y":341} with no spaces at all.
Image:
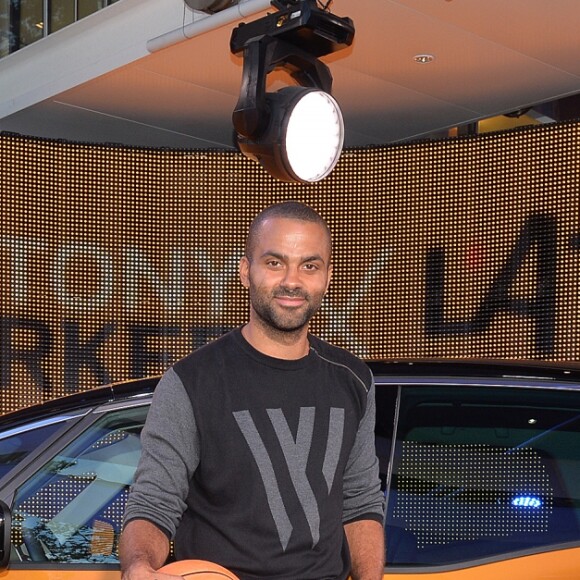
{"x":314,"y":136}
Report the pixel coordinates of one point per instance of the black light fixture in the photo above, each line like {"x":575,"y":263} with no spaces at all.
{"x":297,"y":133}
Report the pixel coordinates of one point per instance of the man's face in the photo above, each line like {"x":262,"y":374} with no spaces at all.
{"x":288,"y":273}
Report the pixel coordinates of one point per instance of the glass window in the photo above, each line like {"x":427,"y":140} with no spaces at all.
{"x":86,"y":7}
{"x":23,"y":22}
{"x":4,"y":27}
{"x":71,"y":510}
{"x":62,"y":13}
{"x":16,"y":446}
{"x":27,"y":22}
{"x":480,"y":472}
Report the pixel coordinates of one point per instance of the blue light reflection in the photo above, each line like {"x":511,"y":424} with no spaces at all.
{"x":528,"y":501}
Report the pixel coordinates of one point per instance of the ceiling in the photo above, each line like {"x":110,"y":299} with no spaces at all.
{"x":490,"y":57}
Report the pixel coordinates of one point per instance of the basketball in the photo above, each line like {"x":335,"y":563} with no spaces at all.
{"x":198,"y":570}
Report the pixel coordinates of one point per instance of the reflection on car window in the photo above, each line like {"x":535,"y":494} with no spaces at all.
{"x":480,"y":472}
{"x":15,"y":447}
{"x":71,"y":510}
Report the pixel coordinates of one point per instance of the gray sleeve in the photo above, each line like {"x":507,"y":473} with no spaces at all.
{"x":363,"y":498}
{"x":169,"y":457}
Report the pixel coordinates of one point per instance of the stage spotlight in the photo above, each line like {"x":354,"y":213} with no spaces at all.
{"x":297,"y":133}
{"x":304,"y":138}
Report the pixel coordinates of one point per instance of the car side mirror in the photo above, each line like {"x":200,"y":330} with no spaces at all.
{"x":5,"y":543}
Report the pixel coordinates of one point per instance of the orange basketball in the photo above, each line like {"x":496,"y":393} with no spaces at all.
{"x":198,"y":570}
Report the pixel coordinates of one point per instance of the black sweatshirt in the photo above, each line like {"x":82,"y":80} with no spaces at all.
{"x":256,"y":462}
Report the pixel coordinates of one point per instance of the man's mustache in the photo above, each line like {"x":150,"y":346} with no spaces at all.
{"x":289,"y":293}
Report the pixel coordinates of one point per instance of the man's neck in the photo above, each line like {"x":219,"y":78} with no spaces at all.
{"x":277,"y":343}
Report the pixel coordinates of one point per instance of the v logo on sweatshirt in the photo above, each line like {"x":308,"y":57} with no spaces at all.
{"x":296,"y":452}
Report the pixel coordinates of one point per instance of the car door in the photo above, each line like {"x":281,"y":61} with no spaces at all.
{"x":483,"y":481}
{"x":67,"y":507}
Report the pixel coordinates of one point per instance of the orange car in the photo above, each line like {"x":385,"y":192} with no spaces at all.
{"x":480,"y":463}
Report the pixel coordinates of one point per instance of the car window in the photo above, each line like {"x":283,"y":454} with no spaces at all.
{"x":480,"y":472}
{"x":16,"y":444}
{"x":70,"y":511}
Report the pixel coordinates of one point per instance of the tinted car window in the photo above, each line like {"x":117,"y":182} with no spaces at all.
{"x":71,"y":510}
{"x":15,"y":445}
{"x":481,"y":472}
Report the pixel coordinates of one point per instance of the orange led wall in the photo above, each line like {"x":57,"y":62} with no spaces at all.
{"x":116,"y":261}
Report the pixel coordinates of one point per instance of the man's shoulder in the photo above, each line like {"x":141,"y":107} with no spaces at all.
{"x":213,"y":351}
{"x":339,"y":356}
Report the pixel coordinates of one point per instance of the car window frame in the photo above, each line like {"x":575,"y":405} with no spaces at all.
{"x":68,"y":420}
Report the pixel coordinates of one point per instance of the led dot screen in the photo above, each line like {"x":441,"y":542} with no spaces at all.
{"x":117,"y":261}
{"x":453,"y":493}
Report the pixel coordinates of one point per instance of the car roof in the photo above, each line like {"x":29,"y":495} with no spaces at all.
{"x":111,"y":393}
{"x":478,"y":368}
{"x":479,"y":371}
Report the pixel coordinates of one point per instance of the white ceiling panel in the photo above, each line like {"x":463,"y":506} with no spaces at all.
{"x":491,"y":57}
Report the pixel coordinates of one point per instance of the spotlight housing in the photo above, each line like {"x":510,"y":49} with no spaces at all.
{"x":304,"y":137}
{"x":275,"y":129}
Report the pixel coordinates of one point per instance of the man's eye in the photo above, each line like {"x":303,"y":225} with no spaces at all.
{"x":310,"y":266}
{"x":273,"y":263}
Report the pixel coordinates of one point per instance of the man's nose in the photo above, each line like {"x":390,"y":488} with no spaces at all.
{"x":291,"y":277}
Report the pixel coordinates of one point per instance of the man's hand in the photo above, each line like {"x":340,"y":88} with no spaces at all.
{"x":145,"y":572}
{"x":143,"y":550}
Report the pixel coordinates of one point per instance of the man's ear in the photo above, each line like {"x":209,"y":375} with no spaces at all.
{"x":329,"y":277}
{"x":244,"y":270}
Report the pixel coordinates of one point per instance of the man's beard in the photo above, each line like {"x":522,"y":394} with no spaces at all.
{"x":288,"y":320}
